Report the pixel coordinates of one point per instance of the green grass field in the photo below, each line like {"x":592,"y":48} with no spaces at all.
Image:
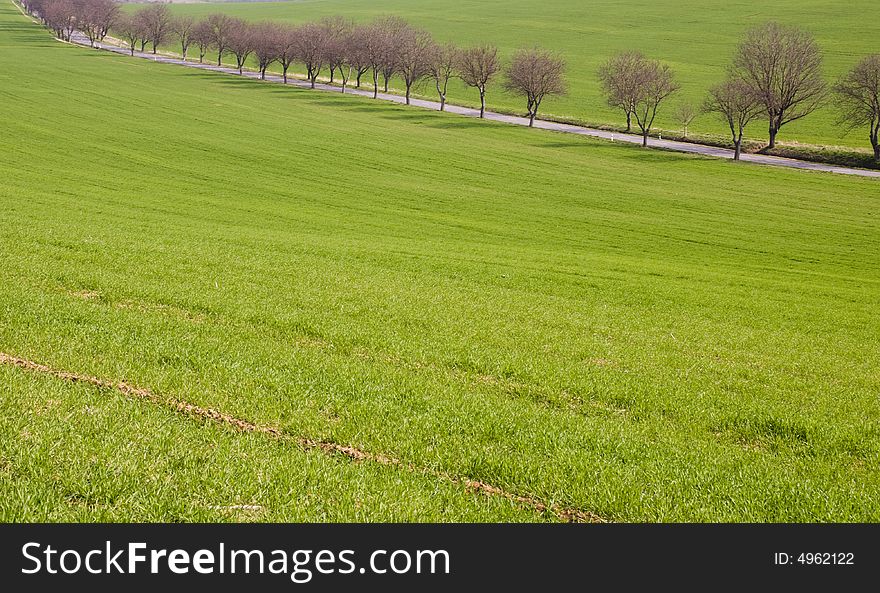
{"x":697,"y":38}
{"x":642,"y":335}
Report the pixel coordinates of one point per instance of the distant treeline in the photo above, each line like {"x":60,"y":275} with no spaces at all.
{"x":776,"y":74}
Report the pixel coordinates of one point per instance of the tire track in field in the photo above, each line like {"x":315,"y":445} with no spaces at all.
{"x":567,"y":514}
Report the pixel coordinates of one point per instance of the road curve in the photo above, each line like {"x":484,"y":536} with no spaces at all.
{"x":702,"y":149}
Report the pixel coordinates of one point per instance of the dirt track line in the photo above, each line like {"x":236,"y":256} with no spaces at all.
{"x":566,"y":514}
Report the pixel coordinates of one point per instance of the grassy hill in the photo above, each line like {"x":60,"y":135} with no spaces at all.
{"x":697,"y":39}
{"x":642,"y":335}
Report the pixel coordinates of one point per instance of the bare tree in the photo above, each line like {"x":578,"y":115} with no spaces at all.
{"x":442,"y":63}
{"x":286,"y":48}
{"x":336,"y":29}
{"x":858,"y":93}
{"x":266,"y":44}
{"x":129,"y":29}
{"x":655,"y":82}
{"x":535,"y":73}
{"x":183,"y":27}
{"x":477,"y":66}
{"x":108,"y":14}
{"x":203,"y":37}
{"x":220,"y":26}
{"x":737,"y":103}
{"x":312,"y":49}
{"x":685,"y":114}
{"x":783,"y":65}
{"x":618,"y":78}
{"x":144,"y":29}
{"x":414,"y":57}
{"x":157,"y":20}
{"x":390,"y":31}
{"x":95,"y":17}
{"x":374,"y":50}
{"x":60,"y":16}
{"x":348,"y":51}
{"x":358,"y":52}
{"x":241,"y":42}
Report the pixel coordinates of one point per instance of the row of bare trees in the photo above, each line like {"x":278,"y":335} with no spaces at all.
{"x":93,"y":17}
{"x":386,"y":47}
{"x":776,"y":74}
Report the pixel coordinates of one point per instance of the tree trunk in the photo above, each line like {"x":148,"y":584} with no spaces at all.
{"x":219,"y":58}
{"x":532,"y":119}
{"x":358,"y":85}
{"x":154,"y":48}
{"x":313,"y":80}
{"x":184,"y":54}
{"x":737,"y":149}
{"x":332,"y":73}
{"x":284,"y":73}
{"x":132,"y":50}
{"x":773,"y":132}
{"x":645,"y":138}
{"x":482,"y":103}
{"x":386,"y":82}
{"x":262,"y":73}
{"x":442,"y":102}
{"x":629,"y":122}
{"x":407,"y":93}
{"x":877,"y":151}
{"x":375,"y":84}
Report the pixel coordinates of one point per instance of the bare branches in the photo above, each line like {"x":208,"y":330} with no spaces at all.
{"x":637,"y":85}
{"x":414,"y":49}
{"x":337,"y":30}
{"x":737,"y":103}
{"x":858,"y":94}
{"x":60,"y":16}
{"x":220,"y":25}
{"x":156,"y":20}
{"x":240,"y":42}
{"x":442,"y":63}
{"x":783,"y":65}
{"x":311,"y":48}
{"x":286,"y":48}
{"x":389,"y":31}
{"x":358,"y":51}
{"x":203,"y":37}
{"x":477,"y":66}
{"x":536,"y":73}
{"x":95,"y":17}
{"x":265,"y":44}
{"x":183,"y":27}
{"x":685,"y":114}
{"x":618,"y":77}
{"x":654,"y":83}
{"x":128,"y":28}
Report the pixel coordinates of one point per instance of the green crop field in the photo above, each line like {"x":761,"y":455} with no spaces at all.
{"x":640,"y":335}
{"x":697,"y":38}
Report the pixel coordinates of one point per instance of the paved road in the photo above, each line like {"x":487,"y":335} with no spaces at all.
{"x":511,"y":119}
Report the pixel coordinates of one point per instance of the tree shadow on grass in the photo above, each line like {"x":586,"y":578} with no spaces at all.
{"x":625,"y":150}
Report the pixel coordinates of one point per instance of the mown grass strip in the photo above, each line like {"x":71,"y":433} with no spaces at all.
{"x":562,"y":513}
